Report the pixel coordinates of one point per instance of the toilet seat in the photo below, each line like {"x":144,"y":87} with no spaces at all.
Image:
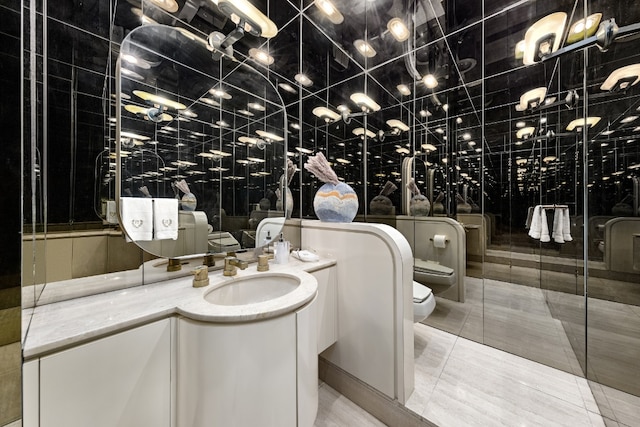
{"x":424,"y":302}
{"x":433,"y":274}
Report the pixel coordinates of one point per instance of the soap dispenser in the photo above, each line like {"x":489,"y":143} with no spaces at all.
{"x":282,"y":250}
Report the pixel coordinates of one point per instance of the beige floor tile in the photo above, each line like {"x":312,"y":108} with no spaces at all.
{"x":335,"y":410}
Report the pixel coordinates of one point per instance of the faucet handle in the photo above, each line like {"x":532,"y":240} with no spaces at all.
{"x":263,"y":262}
{"x":201,"y":277}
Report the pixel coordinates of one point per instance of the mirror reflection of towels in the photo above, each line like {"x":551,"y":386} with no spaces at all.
{"x":165,"y":218}
{"x":137,"y":217}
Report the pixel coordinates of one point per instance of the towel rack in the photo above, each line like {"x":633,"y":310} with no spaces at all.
{"x":554,"y":206}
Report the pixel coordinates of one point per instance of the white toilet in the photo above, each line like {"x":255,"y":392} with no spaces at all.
{"x":423,"y":302}
{"x":436,"y":276}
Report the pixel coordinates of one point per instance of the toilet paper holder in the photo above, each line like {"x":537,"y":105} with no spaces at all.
{"x":439,"y":241}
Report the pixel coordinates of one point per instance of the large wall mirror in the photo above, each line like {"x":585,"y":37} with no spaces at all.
{"x":202,"y":130}
{"x":491,"y":136}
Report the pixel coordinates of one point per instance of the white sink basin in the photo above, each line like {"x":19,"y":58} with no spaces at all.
{"x":253,"y":289}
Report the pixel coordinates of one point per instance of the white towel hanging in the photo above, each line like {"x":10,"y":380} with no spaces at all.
{"x":566,"y":226}
{"x":558,"y":224}
{"x":544,"y":227}
{"x":534,"y":230}
{"x":137,"y":217}
{"x":165,"y":219}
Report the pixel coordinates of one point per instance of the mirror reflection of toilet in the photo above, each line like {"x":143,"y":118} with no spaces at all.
{"x":429,"y":276}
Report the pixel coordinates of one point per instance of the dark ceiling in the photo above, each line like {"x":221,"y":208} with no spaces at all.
{"x":467,"y":44}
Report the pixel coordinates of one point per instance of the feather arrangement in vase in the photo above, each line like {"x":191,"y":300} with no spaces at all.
{"x":335,"y":201}
{"x":381,"y":204}
{"x":419,"y":204}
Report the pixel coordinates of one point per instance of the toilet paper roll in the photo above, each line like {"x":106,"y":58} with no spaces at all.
{"x":439,"y":241}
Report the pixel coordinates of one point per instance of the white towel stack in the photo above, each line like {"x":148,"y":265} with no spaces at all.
{"x":165,"y":219}
{"x":137,"y":217}
{"x":561,"y":231}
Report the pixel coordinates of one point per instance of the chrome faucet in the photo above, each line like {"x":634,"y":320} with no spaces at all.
{"x":232,"y":264}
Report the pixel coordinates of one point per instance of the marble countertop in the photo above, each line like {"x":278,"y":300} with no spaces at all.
{"x":62,"y":324}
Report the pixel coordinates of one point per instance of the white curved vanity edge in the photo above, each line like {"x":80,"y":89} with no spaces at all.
{"x":157,"y":344}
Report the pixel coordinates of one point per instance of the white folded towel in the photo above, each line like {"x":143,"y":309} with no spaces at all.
{"x":544,"y":226}
{"x":566,"y":226}
{"x":137,"y":217}
{"x":165,"y":219}
{"x":558,"y":224}
{"x":534,"y":230}
{"x":112,"y":213}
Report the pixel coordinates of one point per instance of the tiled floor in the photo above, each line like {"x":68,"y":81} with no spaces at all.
{"x":336,"y":410}
{"x":460,"y":382}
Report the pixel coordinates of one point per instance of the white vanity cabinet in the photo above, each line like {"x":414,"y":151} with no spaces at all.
{"x":258,"y":373}
{"x":327,"y":307}
{"x":121,"y":380}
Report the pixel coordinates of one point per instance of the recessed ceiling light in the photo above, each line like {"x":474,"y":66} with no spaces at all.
{"x":287,"y":87}
{"x":531,"y":98}
{"x":303,"y":80}
{"x":397,"y":124}
{"x":520,"y":124}
{"x":269,"y":135}
{"x":430,"y":81}
{"x":326,"y":114}
{"x":364,"y":48}
{"x":360,"y":132}
{"x":404,"y":89}
{"x":466,"y":136}
{"x":243,"y":12}
{"x":429,"y":147}
{"x":425,"y":113}
{"x":156,"y":99}
{"x":295,"y":126}
{"x":246,"y":113}
{"x":544,"y":37}
{"x":584,"y":28}
{"x":578,"y":123}
{"x":525,"y":132}
{"x":248,"y":140}
{"x":329,"y":9}
{"x":440,"y":131}
{"x":261,"y":56}
{"x":256,"y":106}
{"x":210,"y":101}
{"x":628,"y":119}
{"x":220,"y":93}
{"x":607,"y":132}
{"x":304,"y":150}
{"x":622,"y":78}
{"x":398,"y":29}
{"x":364,"y":102}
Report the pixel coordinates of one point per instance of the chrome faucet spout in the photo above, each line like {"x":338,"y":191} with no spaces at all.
{"x":232,"y":264}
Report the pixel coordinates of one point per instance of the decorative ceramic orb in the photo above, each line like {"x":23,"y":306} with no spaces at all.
{"x":189,"y":202}
{"x":264,"y":204}
{"x":464,"y":208}
{"x":336,"y":203}
{"x":438,"y":208}
{"x":381,"y":205}
{"x":289,"y":204}
{"x":419,"y":205}
{"x":622,"y":209}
